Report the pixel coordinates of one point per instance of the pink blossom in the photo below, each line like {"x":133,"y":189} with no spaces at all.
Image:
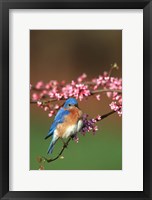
{"x":47,"y":86}
{"x":39,"y":85}
{"x":76,"y":139}
{"x":56,"y":107}
{"x":35,"y":96}
{"x":98,"y":118}
{"x":81,"y":78}
{"x":98,"y":97}
{"x":46,"y":108}
{"x":109,"y":94}
{"x":51,"y":113}
{"x":39,"y":103}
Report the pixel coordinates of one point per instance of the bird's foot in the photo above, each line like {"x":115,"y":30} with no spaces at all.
{"x":65,"y":145}
{"x":72,"y":136}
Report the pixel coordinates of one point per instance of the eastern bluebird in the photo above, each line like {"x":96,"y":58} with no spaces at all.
{"x":67,"y":122}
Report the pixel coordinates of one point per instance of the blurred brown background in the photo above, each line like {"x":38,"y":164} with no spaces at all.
{"x":65,"y":55}
{"x":73,"y":52}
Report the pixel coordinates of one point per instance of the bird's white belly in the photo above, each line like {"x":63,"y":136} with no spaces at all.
{"x":73,"y":129}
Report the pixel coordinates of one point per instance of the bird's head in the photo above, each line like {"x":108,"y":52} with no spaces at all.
{"x":69,"y":103}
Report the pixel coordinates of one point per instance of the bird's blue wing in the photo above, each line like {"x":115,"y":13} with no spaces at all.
{"x":59,"y":118}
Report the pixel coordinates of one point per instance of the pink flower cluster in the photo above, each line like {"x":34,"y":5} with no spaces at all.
{"x":48,"y":107}
{"x":116,"y":107}
{"x":113,"y":84}
{"x":90,"y":124}
{"x":59,"y":91}
{"x":44,"y":94}
{"x":78,"y":91}
{"x":42,"y":90}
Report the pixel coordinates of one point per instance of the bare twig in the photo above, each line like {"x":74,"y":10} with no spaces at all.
{"x":107,"y":114}
{"x":105,"y":90}
{"x":113,"y":66}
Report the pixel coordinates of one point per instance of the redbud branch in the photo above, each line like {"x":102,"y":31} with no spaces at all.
{"x":107,"y":114}
{"x":66,"y":144}
{"x":91,"y":92}
{"x":104,"y":90}
{"x":46,"y":101}
{"x":44,"y":88}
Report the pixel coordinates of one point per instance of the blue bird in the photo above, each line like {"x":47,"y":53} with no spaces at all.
{"x":67,"y":122}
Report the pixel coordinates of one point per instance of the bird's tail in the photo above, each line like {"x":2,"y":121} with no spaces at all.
{"x":52,"y":144}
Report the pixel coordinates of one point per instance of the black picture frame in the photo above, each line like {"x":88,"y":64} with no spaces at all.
{"x":5,"y":5}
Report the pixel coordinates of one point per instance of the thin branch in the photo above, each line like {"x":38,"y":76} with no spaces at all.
{"x":91,"y":92}
{"x":113,"y":66}
{"x":44,"y":88}
{"x":46,"y":101}
{"x":108,"y":114}
{"x":104,"y":90}
{"x":66,"y":144}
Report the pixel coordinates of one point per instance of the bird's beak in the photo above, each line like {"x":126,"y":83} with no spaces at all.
{"x":76,"y":105}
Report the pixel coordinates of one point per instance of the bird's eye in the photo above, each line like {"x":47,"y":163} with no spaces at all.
{"x":69,"y":104}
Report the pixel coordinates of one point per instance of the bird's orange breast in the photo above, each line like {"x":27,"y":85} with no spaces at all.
{"x":69,"y":120}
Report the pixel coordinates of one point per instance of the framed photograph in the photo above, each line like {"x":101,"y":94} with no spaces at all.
{"x":76,"y":52}
{"x":75,"y":100}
